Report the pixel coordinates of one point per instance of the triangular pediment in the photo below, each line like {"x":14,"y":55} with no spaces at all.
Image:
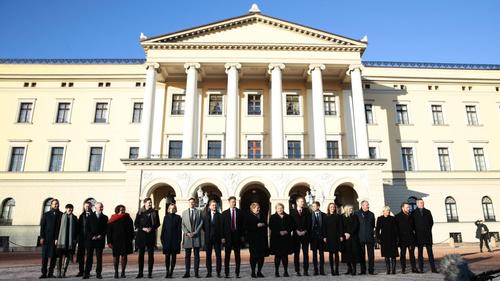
{"x":255,"y":30}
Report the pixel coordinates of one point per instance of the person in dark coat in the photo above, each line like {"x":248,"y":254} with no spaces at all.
{"x":366,"y":237}
{"x":98,"y":223}
{"x":406,"y":239}
{"x":212,"y":226}
{"x":281,"y":226}
{"x":422,"y":223}
{"x":302,"y":219}
{"x":256,"y":227}
{"x":66,"y":240}
{"x":146,"y":223}
{"x":171,"y":237}
{"x":334,"y":232}
{"x":48,"y":234}
{"x":317,"y":236}
{"x":192,"y":227}
{"x":483,"y":234}
{"x":120,"y":238}
{"x":350,"y":244}
{"x":233,"y":234}
{"x":387,"y":235}
{"x":84,"y":235}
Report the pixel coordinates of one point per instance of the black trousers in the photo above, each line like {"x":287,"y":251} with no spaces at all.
{"x":48,"y":253}
{"x":170,"y":260}
{"x":301,"y":243}
{"x":90,"y":260}
{"x":331,"y":256}
{"x":402,"y":256}
{"x":80,"y":257}
{"x":319,"y":250}
{"x":484,"y":237}
{"x":151,"y":258}
{"x":367,"y":249}
{"x":232,"y":245}
{"x":430,"y":254}
{"x":281,"y":259}
{"x":256,"y":261}
{"x":187,"y":260}
{"x":209,"y":246}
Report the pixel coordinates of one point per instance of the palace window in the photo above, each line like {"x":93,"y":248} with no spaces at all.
{"x":25,"y":112}
{"x":402,"y":114}
{"x":330,"y":106}
{"x":479,"y":158}
{"x":437,"y":114}
{"x":332,"y":149}
{"x":215,"y":104}
{"x":488,"y":212}
{"x":444,"y":159}
{"x":133,"y":152}
{"x":294,"y":149}
{"x":178,"y":104}
{"x":407,"y":155}
{"x":292,"y":105}
{"x":451,"y":209}
{"x":137,"y":112}
{"x":471,"y":115}
{"x":254,"y":104}
{"x":101,"y":112}
{"x":369,"y":114}
{"x":95,"y":159}
{"x":56,"y":159}
{"x":174,"y":149}
{"x":16,"y":159}
{"x":63,"y":109}
{"x":254,"y":149}
{"x":7,"y":211}
{"x":214,"y":149}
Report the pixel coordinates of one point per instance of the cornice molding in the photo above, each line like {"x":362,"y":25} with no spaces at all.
{"x":249,"y":162}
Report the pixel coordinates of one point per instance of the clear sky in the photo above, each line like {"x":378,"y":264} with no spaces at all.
{"x":458,"y":31}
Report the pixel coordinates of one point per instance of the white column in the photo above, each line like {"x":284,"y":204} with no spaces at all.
{"x":349,"y":123}
{"x":276,"y":110}
{"x":148,"y":111}
{"x":318,"y":110}
{"x":158,"y":115}
{"x":232,"y":110}
{"x":189,"y":109}
{"x":358,"y":109}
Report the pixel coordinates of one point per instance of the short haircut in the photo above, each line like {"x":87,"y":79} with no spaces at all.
{"x":364,"y":201}
{"x":254,"y":204}
{"x":69,"y":206}
{"x":279,"y":205}
{"x":231,"y":198}
{"x":117,"y":208}
{"x":403,"y":204}
{"x":54,"y":200}
{"x":146,"y":200}
{"x":419,"y":199}
{"x":191,"y":199}
{"x":212,"y":201}
{"x":317,"y":203}
{"x":298,"y":198}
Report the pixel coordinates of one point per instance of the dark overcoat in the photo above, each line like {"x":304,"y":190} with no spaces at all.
{"x":144,"y":219}
{"x":281,"y":245}
{"x":406,"y":236}
{"x":350,"y":247}
{"x":422,"y":222}
{"x":171,"y":234}
{"x":334,"y":231}
{"x":49,"y":229}
{"x":121,"y":234}
{"x":387,"y":236}
{"x":257,"y":236}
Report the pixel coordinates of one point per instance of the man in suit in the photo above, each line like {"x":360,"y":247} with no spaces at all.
{"x":318,"y":233}
{"x":366,"y":237}
{"x":83,"y":233}
{"x":98,"y":228}
{"x":422,"y":223}
{"x":212,"y":226}
{"x":302,"y":219}
{"x":192,"y":224}
{"x":49,"y":230}
{"x":232,"y":233}
{"x":406,"y":239}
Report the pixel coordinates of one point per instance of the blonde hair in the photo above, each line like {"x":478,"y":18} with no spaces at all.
{"x":345,"y":208}
{"x":386,"y":208}
{"x":278,"y":205}
{"x":254,"y":205}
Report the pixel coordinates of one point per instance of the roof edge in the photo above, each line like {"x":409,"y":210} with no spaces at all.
{"x":431,"y":65}
{"x":72,"y":61}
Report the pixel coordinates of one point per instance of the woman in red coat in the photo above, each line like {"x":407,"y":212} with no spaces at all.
{"x":120,"y":235}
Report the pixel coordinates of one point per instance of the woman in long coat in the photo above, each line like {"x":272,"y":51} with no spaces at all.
{"x":256,"y":227}
{"x":387,"y":236}
{"x":281,"y":226}
{"x":146,"y":223}
{"x":171,"y":237}
{"x":350,"y":247}
{"x":120,"y":236}
{"x":334,"y":236}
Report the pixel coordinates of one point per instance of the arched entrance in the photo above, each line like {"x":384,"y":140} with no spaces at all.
{"x":162,"y":195}
{"x":298,"y":190}
{"x":207,"y":192}
{"x":255,"y":192}
{"x":346,"y":195}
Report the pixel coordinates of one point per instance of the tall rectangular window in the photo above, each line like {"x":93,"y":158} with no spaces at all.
{"x":402,"y":114}
{"x":133,"y":152}
{"x":137,"y":113}
{"x":407,"y":155}
{"x":254,"y":104}
{"x":369,"y":113}
{"x":101,"y":112}
{"x":372,"y":152}
{"x":471,"y":115}
{"x":178,"y":104}
{"x":214,"y":149}
{"x":294,"y":150}
{"x":330,"y":106}
{"x":444,"y":159}
{"x":215,"y":104}
{"x":95,"y":159}
{"x":254,"y":149}
{"x":174,"y":149}
{"x":25,"y":112}
{"x":292,"y":105}
{"x":16,"y":159}
{"x":479,"y":159}
{"x":63,"y":112}
{"x":437,"y":114}
{"x":56,"y":159}
{"x":332,"y":149}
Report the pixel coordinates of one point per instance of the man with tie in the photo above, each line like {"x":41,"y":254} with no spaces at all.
{"x":212,"y":225}
{"x":318,"y":233}
{"x":422,"y":223}
{"x":49,"y":230}
{"x":192,"y":224}
{"x":302,"y":219}
{"x":98,"y":223}
{"x":83,"y":234}
{"x":232,"y":233}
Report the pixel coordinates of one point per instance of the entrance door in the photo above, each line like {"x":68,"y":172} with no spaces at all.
{"x":255,"y":193}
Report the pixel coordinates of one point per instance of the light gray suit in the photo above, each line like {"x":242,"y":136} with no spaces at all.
{"x":197,"y":240}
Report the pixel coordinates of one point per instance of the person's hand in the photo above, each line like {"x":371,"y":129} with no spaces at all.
{"x":283,"y":232}
{"x":341,"y":239}
{"x":347,"y":236}
{"x":261,"y":224}
{"x":189,"y":234}
{"x":98,"y":237}
{"x":41,"y":241}
{"x":223,"y":240}
{"x":324,"y":240}
{"x":55,"y":242}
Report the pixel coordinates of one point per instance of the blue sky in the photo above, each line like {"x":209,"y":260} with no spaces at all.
{"x":420,"y":30}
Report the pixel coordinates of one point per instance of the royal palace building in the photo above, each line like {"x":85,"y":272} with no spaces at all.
{"x":254,"y":107}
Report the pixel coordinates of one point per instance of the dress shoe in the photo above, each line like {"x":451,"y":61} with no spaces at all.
{"x":86,"y":276}
{"x":298,"y":273}
{"x":286,"y":274}
{"x":276,"y":274}
{"x":150,"y":275}
{"x":80,"y":274}
{"x":434,"y":270}
{"x":186,"y":275}
{"x":43,"y":276}
{"x":218,"y":275}
{"x":98,"y":276}
{"x":260,"y":275}
{"x":237,"y":275}
{"x":209,"y":275}
{"x":372,"y":273}
{"x":254,"y":275}
{"x":306,"y":273}
{"x":139,"y":276}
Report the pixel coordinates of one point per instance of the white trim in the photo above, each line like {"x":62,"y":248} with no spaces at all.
{"x":131,"y":114}
{"x":301,"y":102}
{"x":215,"y":137}
{"x":408,"y":110}
{"x":23,"y":144}
{"x":25,"y":100}
{"x":254,"y":137}
{"x":245,"y":97}
{"x":336,"y":100}
{"x":96,"y":143}
{"x":223,"y":105}
{"x":294,"y":137}
{"x":170,"y":101}
{"x":95,"y":102}
{"x":482,"y":145}
{"x":54,"y":144}
{"x":443,"y":112}
{"x":63,"y":100}
{"x":413,"y":146}
{"x":335,"y":137}
{"x":447,"y":145}
{"x":478,"y":117}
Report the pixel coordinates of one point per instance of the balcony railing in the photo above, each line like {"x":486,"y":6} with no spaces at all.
{"x":262,"y":157}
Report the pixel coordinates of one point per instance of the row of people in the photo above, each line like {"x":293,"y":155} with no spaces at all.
{"x":352,"y":234}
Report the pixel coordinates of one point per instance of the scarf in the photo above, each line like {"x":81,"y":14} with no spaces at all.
{"x":61,"y":238}
{"x":116,"y":217}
